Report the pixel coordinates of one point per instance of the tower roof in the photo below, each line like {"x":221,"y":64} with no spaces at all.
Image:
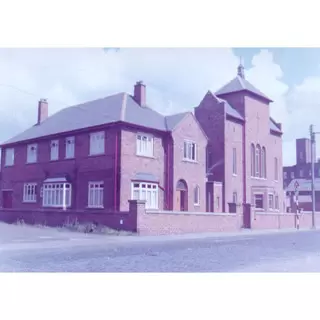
{"x":239,"y":83}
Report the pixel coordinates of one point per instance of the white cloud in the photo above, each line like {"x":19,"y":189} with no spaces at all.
{"x":176,"y":79}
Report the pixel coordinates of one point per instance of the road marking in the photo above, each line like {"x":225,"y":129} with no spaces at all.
{"x":45,"y":237}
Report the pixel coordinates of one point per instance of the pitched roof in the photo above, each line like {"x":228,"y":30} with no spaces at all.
{"x":114,"y":108}
{"x":241,"y":84}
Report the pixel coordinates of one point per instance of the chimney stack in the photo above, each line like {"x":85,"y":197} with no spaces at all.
{"x":140,"y":93}
{"x":42,"y":110}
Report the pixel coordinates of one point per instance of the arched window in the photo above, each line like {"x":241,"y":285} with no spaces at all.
{"x":258,"y":161}
{"x":253,"y":150}
{"x":196,"y":196}
{"x":263,"y":163}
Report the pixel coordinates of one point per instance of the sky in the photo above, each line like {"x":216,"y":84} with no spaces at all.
{"x":176,"y":79}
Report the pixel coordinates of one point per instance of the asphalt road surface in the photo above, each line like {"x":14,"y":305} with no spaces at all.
{"x":24,"y":249}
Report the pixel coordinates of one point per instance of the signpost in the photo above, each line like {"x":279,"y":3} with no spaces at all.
{"x":296,"y":193}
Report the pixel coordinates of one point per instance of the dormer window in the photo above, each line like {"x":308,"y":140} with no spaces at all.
{"x":54,"y":150}
{"x":32,"y":152}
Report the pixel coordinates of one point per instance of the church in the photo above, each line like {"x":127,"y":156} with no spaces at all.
{"x":244,"y":153}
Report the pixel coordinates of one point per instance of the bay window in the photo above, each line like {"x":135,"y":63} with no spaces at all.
{"x":146,"y":191}
{"x":56,"y":195}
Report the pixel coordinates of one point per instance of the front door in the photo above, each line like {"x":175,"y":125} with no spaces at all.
{"x":178,"y":200}
{"x":7,"y":199}
{"x":183,"y":200}
{"x":247,"y":215}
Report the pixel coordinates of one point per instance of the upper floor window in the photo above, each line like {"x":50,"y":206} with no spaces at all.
{"x":189,"y":151}
{"x":292,"y":175}
{"x":285,"y":175}
{"x":276,"y":202}
{"x":276,"y":169}
{"x":97,"y":143}
{"x":253,"y":152}
{"x":263,"y":163}
{"x":54,"y":150}
{"x":70,"y":147}
{"x":301,"y":173}
{"x":258,"y":162}
{"x":234,"y":161}
{"x":144,"y":145}
{"x":196,"y":196}
{"x":32,"y":152}
{"x":310,"y":173}
{"x":9,"y":157}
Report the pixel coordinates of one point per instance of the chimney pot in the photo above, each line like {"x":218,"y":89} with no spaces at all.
{"x":140,"y":93}
{"x":42,"y":110}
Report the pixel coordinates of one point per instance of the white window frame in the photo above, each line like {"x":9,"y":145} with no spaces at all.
{"x":148,"y":191}
{"x":30,"y":192}
{"x":9,"y":157}
{"x":190,"y":152}
{"x":56,"y":194}
{"x":196,"y":196}
{"x":97,"y":143}
{"x":32,"y":153}
{"x":257,"y":161}
{"x":70,"y":147}
{"x":253,"y":160}
{"x":234,"y":161}
{"x":144,"y":145}
{"x":54,"y":150}
{"x":285,"y":175}
{"x":96,"y":194}
{"x":261,"y":196}
{"x":270,"y":201}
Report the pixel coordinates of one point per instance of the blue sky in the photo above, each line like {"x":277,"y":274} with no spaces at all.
{"x":176,"y":79}
{"x":296,"y":63}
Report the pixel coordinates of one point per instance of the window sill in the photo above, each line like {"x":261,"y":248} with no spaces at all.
{"x":8,"y":165}
{"x":258,"y":178}
{"x":90,"y":207}
{"x":234,"y":175}
{"x":145,"y":156}
{"x":32,"y":162}
{"x":97,"y":154}
{"x":25,"y":201}
{"x":196,"y":204}
{"x":189,"y":161}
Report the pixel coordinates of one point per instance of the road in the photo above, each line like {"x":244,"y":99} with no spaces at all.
{"x":24,"y":249}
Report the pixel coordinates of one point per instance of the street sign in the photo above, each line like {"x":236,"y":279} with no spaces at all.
{"x":296,"y":185}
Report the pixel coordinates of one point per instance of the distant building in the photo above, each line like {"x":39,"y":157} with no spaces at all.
{"x":302,"y":168}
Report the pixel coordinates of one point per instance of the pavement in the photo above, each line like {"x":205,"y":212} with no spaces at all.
{"x":32,"y":249}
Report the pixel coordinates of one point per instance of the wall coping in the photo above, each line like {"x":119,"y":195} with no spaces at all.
{"x":194,"y":213}
{"x":289,"y":214}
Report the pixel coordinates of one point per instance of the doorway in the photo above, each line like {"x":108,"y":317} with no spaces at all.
{"x":181,"y":196}
{"x":7,"y":199}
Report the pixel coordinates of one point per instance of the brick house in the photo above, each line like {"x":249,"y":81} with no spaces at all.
{"x":98,"y":155}
{"x":244,"y":149}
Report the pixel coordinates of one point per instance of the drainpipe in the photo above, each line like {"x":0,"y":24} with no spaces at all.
{"x":115,"y":172}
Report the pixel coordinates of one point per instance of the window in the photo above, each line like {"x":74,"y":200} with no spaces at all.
{"x":301,"y":173}
{"x":292,"y":175}
{"x":301,"y":155}
{"x":258,"y":162}
{"x":144,"y":145}
{"x":146,"y":191}
{"x":197,"y":196}
{"x":190,"y":151}
{"x":276,"y":169}
{"x":57,"y":195}
{"x":276,"y":202}
{"x":95,"y":194}
{"x":97,"y":143}
{"x":310,"y":173}
{"x":253,"y":151}
{"x":32,"y":153}
{"x":234,"y":161}
{"x":30,"y":192}
{"x":54,"y":150}
{"x":270,"y":198}
{"x":234,"y":197}
{"x":258,"y":201}
{"x":218,"y":202}
{"x":9,"y":157}
{"x":69,"y":147}
{"x":263,"y":163}
{"x":285,"y":175}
